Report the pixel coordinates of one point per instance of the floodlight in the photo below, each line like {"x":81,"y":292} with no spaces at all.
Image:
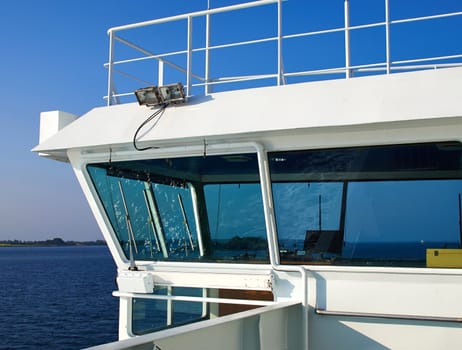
{"x":148,"y":96}
{"x":173,"y":93}
{"x":154,"y":96}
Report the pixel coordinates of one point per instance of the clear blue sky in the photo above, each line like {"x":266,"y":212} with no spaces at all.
{"x":52,"y":55}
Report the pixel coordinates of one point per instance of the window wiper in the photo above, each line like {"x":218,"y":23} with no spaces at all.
{"x":131,"y":236}
{"x":151,"y":222}
{"x":185,"y":221}
{"x":154,"y":219}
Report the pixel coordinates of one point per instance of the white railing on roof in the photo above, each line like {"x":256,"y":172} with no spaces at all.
{"x":279,"y":77}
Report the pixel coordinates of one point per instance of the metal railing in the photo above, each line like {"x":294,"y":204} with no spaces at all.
{"x":206,"y":82}
{"x":323,"y":312}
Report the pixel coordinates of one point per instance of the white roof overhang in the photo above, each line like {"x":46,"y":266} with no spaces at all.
{"x":227,"y":115}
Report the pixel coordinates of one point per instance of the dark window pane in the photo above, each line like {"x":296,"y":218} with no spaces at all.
{"x":382,"y":205}
{"x":150,"y":315}
{"x":185,"y":209}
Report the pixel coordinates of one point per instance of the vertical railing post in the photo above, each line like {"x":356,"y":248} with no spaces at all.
{"x":110,"y":68}
{"x":387,"y":34}
{"x":160,"y":73}
{"x":169,"y":306}
{"x":347,"y":39}
{"x":207,"y":51}
{"x":189,"y":58}
{"x":280,"y":79}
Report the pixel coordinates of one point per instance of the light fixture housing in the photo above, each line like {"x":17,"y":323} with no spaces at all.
{"x":173,"y":93}
{"x":148,"y":96}
{"x":154,"y":96}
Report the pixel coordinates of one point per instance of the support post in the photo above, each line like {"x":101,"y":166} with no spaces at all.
{"x":207,"y":51}
{"x":387,"y":34}
{"x":280,"y":79}
{"x":189,"y":58}
{"x":347,"y":39}
{"x":160,"y":73}
{"x":110,"y":68}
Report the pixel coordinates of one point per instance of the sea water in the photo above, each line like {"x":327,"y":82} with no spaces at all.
{"x":57,"y":297}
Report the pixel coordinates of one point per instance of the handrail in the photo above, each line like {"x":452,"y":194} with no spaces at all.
{"x":193,"y":14}
{"x":324,"y":312}
{"x":203,"y":79}
{"x":194,"y":299}
{"x":111,"y":32}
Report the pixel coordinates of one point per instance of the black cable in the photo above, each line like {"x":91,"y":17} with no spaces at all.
{"x":159,"y":113}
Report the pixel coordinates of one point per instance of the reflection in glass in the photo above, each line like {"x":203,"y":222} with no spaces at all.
{"x":185,"y":209}
{"x":150,"y":315}
{"x":379,"y":206}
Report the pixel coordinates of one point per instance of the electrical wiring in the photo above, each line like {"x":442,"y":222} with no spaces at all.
{"x":157,"y":113}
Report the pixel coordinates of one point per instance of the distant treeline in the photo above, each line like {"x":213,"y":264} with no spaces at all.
{"x":55,"y":242}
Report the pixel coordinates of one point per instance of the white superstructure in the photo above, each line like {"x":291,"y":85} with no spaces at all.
{"x":331,"y":206}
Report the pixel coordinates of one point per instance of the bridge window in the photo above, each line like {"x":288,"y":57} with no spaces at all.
{"x":185,"y":209}
{"x":378,"y":206}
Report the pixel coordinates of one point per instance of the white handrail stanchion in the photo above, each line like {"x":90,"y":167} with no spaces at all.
{"x":280,"y":80}
{"x":110,"y":69}
{"x":189,"y":59}
{"x":207,"y":51}
{"x":387,"y":34}
{"x":347,"y":38}
{"x":160,"y":76}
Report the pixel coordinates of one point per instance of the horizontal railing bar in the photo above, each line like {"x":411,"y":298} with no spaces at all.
{"x":368,"y":25}
{"x":192,"y":15}
{"x":423,"y":18}
{"x":324,"y":312}
{"x":412,"y":68}
{"x":333,"y":30}
{"x":380,"y":66}
{"x":237,"y":79}
{"x":149,"y":57}
{"x":428,"y":59}
{"x":316,"y":72}
{"x":324,"y":31}
{"x":244,"y":77}
{"x":131,"y":60}
{"x":370,"y":65}
{"x":120,"y":95}
{"x":194,"y":299}
{"x":241,"y":43}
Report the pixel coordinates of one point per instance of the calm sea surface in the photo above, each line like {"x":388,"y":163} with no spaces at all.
{"x":57,"y":297}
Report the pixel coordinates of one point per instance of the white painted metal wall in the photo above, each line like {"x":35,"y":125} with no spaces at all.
{"x":408,"y":108}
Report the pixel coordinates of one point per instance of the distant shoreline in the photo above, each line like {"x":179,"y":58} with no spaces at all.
{"x":55,"y":242}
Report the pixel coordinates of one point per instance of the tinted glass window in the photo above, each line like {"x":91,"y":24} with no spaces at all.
{"x":185,"y":209}
{"x":381,"y":206}
{"x":237,"y":223}
{"x":150,"y":315}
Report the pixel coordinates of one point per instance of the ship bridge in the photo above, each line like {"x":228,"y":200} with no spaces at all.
{"x":285,"y":197}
